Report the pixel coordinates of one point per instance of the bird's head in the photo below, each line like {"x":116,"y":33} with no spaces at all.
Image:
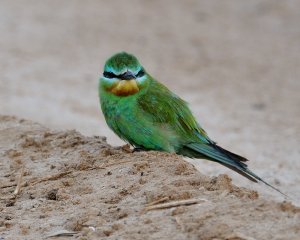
{"x":123,"y":75}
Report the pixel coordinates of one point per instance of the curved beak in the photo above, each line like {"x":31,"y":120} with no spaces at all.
{"x":127,"y":76}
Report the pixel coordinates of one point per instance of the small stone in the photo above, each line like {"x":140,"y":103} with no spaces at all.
{"x":52,"y":194}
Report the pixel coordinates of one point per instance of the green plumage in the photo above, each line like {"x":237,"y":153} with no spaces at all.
{"x":154,"y":118}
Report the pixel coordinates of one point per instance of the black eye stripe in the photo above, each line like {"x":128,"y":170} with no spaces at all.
{"x":109,"y":75}
{"x":140,"y":73}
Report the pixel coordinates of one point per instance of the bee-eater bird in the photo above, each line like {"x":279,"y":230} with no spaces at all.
{"x":147,"y":115}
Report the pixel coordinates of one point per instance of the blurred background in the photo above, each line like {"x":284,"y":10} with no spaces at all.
{"x":236,"y":62}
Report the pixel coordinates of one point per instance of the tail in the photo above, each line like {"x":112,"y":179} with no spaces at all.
{"x":231,"y":160}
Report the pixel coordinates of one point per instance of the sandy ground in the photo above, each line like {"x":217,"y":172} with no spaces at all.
{"x":83,"y":187}
{"x":236,"y":62}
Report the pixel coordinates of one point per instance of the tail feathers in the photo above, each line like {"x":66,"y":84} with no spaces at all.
{"x":218,"y":154}
{"x":231,"y":160}
{"x":232,"y":155}
{"x":239,"y":171}
{"x":263,"y":181}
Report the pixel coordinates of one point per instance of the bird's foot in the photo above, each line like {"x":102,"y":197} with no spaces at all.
{"x":138,"y":149}
{"x":126,"y":148}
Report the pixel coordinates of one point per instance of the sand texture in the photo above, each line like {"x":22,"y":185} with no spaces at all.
{"x":84,"y":187}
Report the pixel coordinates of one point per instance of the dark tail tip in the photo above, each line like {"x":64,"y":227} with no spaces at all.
{"x":266,"y":183}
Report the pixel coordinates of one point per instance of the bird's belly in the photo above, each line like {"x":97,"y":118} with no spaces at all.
{"x":135,"y":127}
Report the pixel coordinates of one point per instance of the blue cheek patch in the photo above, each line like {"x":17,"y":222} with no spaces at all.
{"x":108,"y":81}
{"x":141,"y":79}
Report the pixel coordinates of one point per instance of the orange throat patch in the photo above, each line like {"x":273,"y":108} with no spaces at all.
{"x":125,"y":88}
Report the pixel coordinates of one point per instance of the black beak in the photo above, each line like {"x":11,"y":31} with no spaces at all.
{"x":126,"y":76}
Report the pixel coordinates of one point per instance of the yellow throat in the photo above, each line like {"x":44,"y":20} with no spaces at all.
{"x":125,"y":88}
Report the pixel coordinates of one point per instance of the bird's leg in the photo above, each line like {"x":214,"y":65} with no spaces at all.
{"x":126,"y":148}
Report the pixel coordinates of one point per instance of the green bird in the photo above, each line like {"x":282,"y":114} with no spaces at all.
{"x":147,"y":115}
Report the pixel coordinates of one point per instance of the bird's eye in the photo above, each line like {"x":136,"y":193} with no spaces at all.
{"x":109,"y":75}
{"x":140,"y":73}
